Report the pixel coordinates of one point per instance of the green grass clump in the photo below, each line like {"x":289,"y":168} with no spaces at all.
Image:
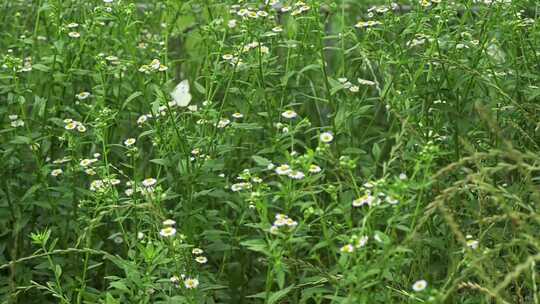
{"x":220,"y":151}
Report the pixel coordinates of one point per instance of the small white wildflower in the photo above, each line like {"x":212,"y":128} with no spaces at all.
{"x":367,"y":199}
{"x":391,"y":200}
{"x":190,"y":283}
{"x":169,"y":222}
{"x":473,"y":244}
{"x":365,"y":82}
{"x":361,"y":242}
{"x":223,"y":123}
{"x":56,"y":172}
{"x":201,"y":260}
{"x":326,"y":137}
{"x":294,"y":174}
{"x":142,"y":119}
{"x":419,"y":285}
{"x":82,"y":95}
{"x":289,"y":114}
{"x":149,"y":182}
{"x":283,"y":169}
{"x":129,"y":142}
{"x":71,"y":125}
{"x":347,"y":248}
{"x":237,"y":115}
{"x":314,"y":169}
{"x":167,"y":231}
{"x":81,"y":128}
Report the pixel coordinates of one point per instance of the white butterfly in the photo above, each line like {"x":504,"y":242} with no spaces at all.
{"x":181,"y":95}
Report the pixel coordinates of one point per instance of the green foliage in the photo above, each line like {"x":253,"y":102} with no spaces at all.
{"x":324,"y":151}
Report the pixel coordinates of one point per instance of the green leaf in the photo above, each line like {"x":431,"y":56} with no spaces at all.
{"x":257,"y":245}
{"x":199,"y":87}
{"x":261,"y":161}
{"x":110,"y":299}
{"x":160,"y":161}
{"x":278,"y":295}
{"x":41,"y":67}
{"x":131,"y":98}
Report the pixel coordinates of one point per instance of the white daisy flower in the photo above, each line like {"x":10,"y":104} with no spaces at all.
{"x":190,"y":283}
{"x":326,"y":137}
{"x":366,"y":82}
{"x":347,"y":248}
{"x":289,"y":114}
{"x":56,"y":172}
{"x":197,"y":251}
{"x":201,"y":260}
{"x":129,"y":142}
{"x":167,"y":231}
{"x":294,"y":174}
{"x":419,"y":285}
{"x":283,"y":169}
{"x":314,"y":169}
{"x":82,"y":95}
{"x":169,"y":222}
{"x":367,"y":199}
{"x":149,"y":182}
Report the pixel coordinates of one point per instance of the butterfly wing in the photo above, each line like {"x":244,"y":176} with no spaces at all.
{"x":181,"y":95}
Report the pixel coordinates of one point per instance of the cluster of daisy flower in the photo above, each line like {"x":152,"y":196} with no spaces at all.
{"x":17,"y":64}
{"x":162,"y":112}
{"x":154,"y":66}
{"x":381,"y":9}
{"x":168,"y":230}
{"x":428,"y":3}
{"x":72,"y":30}
{"x":419,"y":39}
{"x":366,"y":200}
{"x":471,"y":243}
{"x":356,"y":242}
{"x":102,"y":185}
{"x":367,"y":24}
{"x":489,"y":2}
{"x":355,"y":88}
{"x":297,"y":8}
{"x":281,"y":221}
{"x":248,"y":180}
{"x":82,"y":95}
{"x":196,"y":154}
{"x":15,"y":122}
{"x":285,"y":169}
{"x":71,"y":124}
{"x":369,"y":199}
{"x":199,"y":258}
{"x":147,"y":187}
{"x":189,"y":283}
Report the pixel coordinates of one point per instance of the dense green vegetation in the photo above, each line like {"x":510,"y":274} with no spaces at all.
{"x":324,"y":151}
